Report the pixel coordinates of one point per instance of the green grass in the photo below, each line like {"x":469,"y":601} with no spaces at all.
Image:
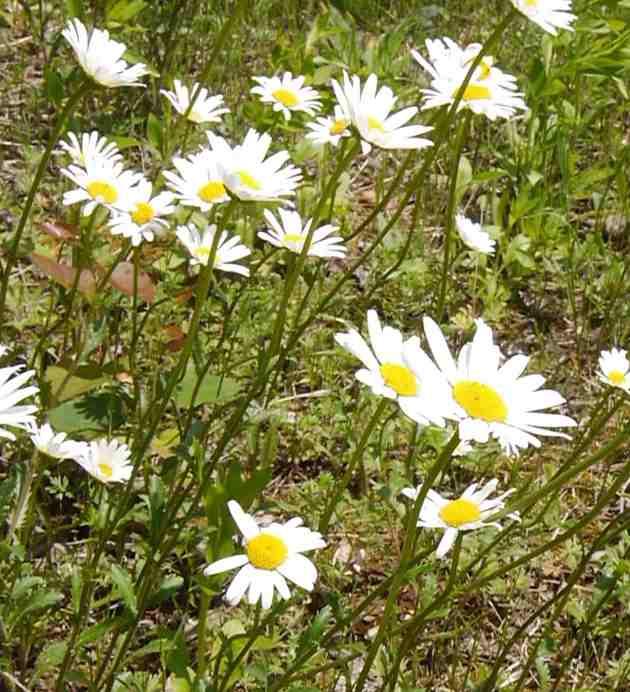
{"x":553,"y":187}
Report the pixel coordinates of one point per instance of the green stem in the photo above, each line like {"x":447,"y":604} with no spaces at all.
{"x":450,"y":213}
{"x":408,"y":547}
{"x":339,"y":487}
{"x":84,"y":87}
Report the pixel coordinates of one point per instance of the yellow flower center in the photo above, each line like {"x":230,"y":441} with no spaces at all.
{"x":102,"y":191}
{"x":338,"y":127}
{"x":248,"y":180}
{"x":143,"y":213}
{"x":532,"y":3}
{"x":293,"y":239}
{"x":480,"y":401}
{"x":195,"y":116}
{"x":475,"y":92}
{"x":375,"y":124}
{"x":211,"y":191}
{"x":106,"y":470}
{"x":484,"y":66}
{"x":460,"y":512}
{"x":202,"y":253}
{"x":287,"y":98}
{"x":267,"y":551}
{"x":399,"y":378}
{"x":616,"y":377}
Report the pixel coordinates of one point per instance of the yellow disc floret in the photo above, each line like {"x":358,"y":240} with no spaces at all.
{"x":248,"y":180}
{"x":143,"y":213}
{"x":287,"y":98}
{"x":267,"y":551}
{"x":616,"y":377}
{"x":106,"y":470}
{"x":338,"y":127}
{"x":375,"y":124}
{"x":460,"y":512}
{"x":400,"y":379}
{"x":475,"y":92}
{"x":102,"y":191}
{"x":294,"y":240}
{"x":480,"y":401}
{"x":211,"y":191}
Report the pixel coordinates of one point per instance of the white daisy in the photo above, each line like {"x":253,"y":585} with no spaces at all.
{"x":287,"y":94}
{"x":90,"y":147}
{"x":206,"y":109}
{"x":200,"y":181}
{"x":11,"y":394}
{"x":548,"y":14}
{"x":228,"y":251}
{"x":142,"y":215}
{"x":290,"y":234}
{"x":400,"y":370}
{"x":467,"y":513}
{"x":251,"y":176}
{"x":107,"y":461}
{"x":273,"y":554}
{"x":53,"y":444}
{"x":615,"y":369}
{"x":473,"y":235}
{"x":493,"y":399}
{"x":490,"y":91}
{"x":331,"y":129}
{"x":100,"y":182}
{"x":369,"y":110}
{"x":101,"y":57}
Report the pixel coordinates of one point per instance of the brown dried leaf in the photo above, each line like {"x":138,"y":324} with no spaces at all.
{"x":176,"y":338}
{"x":59,"y":231}
{"x":65,"y":274}
{"x":122,"y":279}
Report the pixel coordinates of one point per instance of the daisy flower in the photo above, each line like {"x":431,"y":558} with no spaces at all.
{"x":11,"y":392}
{"x":493,"y":399}
{"x":473,"y":235}
{"x":400,"y":370}
{"x":107,"y":461}
{"x":53,"y":444}
{"x":615,"y":369}
{"x":290,"y":234}
{"x":101,"y":57}
{"x":100,"y":182}
{"x":200,"y":181}
{"x":90,"y":147}
{"x":467,"y":513}
{"x":287,"y":94}
{"x":206,"y":109}
{"x":369,"y":110}
{"x":490,"y":91}
{"x":548,"y":14}
{"x":329,"y":130}
{"x":248,"y":174}
{"x":141,"y":215}
{"x":273,"y":554}
{"x":228,"y":250}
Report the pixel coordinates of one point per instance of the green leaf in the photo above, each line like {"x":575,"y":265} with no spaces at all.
{"x":50,"y":657}
{"x":124,"y":585}
{"x":74,"y":8}
{"x":211,"y":390}
{"x":84,"y":379}
{"x":92,"y":415}
{"x":7,"y":490}
{"x":154,"y":132}
{"x":53,"y":85}
{"x":124,"y":10}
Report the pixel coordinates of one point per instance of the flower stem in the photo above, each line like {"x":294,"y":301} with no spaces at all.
{"x":73,"y":101}
{"x":462,"y":130}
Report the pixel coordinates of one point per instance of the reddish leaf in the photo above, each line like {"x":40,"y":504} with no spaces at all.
{"x":65,"y":274}
{"x":122,"y":279}
{"x":59,"y":231}
{"x":176,"y":336}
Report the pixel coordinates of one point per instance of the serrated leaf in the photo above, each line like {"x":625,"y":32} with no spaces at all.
{"x":73,"y":385}
{"x":124,"y":585}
